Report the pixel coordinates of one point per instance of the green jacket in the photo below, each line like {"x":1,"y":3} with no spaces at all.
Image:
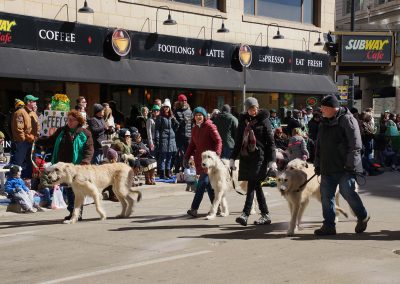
{"x":227,"y":125}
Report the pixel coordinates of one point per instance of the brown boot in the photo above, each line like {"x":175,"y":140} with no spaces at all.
{"x":152,"y":174}
{"x":147,"y":178}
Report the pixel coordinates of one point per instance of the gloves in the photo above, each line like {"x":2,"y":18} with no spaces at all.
{"x":232,"y":164}
{"x":273,"y":166}
{"x":317,"y":171}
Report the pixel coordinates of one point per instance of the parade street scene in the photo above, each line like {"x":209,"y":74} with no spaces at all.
{"x":194,"y":141}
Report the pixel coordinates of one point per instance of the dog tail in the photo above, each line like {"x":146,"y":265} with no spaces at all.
{"x":138,"y":192}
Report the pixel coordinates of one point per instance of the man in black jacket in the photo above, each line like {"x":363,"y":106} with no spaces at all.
{"x":338,"y":161}
{"x":98,"y":128}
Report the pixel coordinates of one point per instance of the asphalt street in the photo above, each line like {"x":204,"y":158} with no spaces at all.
{"x":161,"y":244}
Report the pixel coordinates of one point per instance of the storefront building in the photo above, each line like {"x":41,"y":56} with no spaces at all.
{"x":74,"y":54}
{"x":377,"y":87}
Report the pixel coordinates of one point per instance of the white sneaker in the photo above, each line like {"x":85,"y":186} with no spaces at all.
{"x":31,"y":210}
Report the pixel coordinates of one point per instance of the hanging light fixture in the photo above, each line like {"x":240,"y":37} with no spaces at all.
{"x":319,"y":42}
{"x":85,"y":9}
{"x":169,"y":21}
{"x":222,"y":29}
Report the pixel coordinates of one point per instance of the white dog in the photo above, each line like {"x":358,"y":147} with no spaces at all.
{"x":221,"y":181}
{"x":291,"y":184}
{"x":91,"y":180}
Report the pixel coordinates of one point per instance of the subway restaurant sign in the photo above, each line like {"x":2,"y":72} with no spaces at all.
{"x":368,"y":49}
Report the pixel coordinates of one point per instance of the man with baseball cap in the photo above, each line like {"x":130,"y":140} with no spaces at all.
{"x":338,"y":161}
{"x":25,"y":129}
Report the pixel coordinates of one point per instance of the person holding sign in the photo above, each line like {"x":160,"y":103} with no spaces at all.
{"x":71,"y":144}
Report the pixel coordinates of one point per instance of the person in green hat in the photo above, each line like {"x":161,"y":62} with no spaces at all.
{"x":275,"y":121}
{"x":25,"y":129}
{"x":150,"y":126}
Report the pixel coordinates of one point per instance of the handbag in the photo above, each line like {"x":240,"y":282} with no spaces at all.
{"x":58,"y":199}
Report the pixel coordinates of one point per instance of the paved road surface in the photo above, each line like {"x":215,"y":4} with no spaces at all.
{"x":160,"y":244}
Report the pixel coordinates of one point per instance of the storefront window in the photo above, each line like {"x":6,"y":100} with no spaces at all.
{"x":291,"y":10}
{"x":204,"y":3}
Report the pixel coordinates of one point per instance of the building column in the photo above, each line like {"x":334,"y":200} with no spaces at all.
{"x":367,"y":94}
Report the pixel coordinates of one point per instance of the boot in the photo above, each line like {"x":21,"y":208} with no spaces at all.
{"x":147,"y":178}
{"x":161,"y":174}
{"x":152,"y":176}
{"x":168,"y":173}
{"x":242,"y":219}
{"x":265,"y":219}
{"x":325,"y":231}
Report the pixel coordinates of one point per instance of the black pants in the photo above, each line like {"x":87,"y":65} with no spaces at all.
{"x":262,"y":204}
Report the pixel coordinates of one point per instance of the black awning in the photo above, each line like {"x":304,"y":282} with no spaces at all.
{"x":43,"y":65}
{"x":258,"y":81}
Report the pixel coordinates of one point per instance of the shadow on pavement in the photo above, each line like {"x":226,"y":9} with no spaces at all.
{"x":157,"y":218}
{"x":383,"y":235}
{"x":28,"y":223}
{"x":386,"y":185}
{"x":171,"y":227}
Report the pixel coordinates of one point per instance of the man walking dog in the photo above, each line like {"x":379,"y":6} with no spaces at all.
{"x":338,"y":161}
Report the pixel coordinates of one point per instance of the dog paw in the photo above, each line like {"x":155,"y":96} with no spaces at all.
{"x":210,"y":217}
{"x":103,"y":218}
{"x":224,"y":214}
{"x":299,"y":228}
{"x":72,"y":221}
{"x":253,"y":212}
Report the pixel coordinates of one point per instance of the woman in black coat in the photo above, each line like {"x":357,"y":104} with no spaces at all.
{"x":255,"y":147}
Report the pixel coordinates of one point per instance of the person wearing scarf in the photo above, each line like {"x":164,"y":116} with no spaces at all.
{"x":71,"y":144}
{"x":255,"y":147}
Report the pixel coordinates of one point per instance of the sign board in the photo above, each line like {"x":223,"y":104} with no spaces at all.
{"x":245,"y":55}
{"x":51,"y":120}
{"x":366,"y":49}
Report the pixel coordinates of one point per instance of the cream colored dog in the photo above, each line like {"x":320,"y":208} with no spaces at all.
{"x":290,"y":184}
{"x":221,"y":181}
{"x":90,"y":180}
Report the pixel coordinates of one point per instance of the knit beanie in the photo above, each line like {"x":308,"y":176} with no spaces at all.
{"x":14,"y":170}
{"x":330,"y":101}
{"x":112,"y":154}
{"x":97,"y":108}
{"x":18,"y":103}
{"x":182,"y":98}
{"x":250,"y":102}
{"x":200,"y":110}
{"x":226,"y":108}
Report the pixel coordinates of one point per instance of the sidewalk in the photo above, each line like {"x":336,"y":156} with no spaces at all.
{"x":160,"y":189}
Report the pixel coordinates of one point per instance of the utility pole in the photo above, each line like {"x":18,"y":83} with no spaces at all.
{"x":350,"y":99}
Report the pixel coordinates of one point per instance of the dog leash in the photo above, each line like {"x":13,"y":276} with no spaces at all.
{"x":301,"y":187}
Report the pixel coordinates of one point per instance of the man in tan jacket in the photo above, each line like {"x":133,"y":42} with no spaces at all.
{"x":25,"y":129}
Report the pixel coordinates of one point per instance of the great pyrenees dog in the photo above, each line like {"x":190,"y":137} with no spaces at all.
{"x":90,"y":180}
{"x":290,"y":184}
{"x":221,"y":181}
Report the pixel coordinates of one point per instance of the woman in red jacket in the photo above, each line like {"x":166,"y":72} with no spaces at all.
{"x":205,"y":137}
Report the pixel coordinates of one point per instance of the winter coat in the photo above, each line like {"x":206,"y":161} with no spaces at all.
{"x":66,"y":149}
{"x":150,"y":126}
{"x":204,"y":137}
{"x":141,"y":126}
{"x":13,"y":183}
{"x":227,"y":125}
{"x":313,"y":126}
{"x":297,"y":148}
{"x":254,"y":166}
{"x":164,"y":138}
{"x":21,"y":126}
{"x":184,"y":131}
{"x":338,"y":147}
{"x":97,"y":127}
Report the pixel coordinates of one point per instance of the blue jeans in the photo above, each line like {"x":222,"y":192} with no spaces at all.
{"x":164,"y":160}
{"x":21,"y":156}
{"x":346,"y":182}
{"x":226,"y":153}
{"x":202,"y":185}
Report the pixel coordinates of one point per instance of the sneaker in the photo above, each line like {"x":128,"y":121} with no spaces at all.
{"x":30,"y":210}
{"x":265,"y":219}
{"x":362,"y":225}
{"x":242,"y":219}
{"x":192,"y":212}
{"x":325,"y":231}
{"x":70,"y":216}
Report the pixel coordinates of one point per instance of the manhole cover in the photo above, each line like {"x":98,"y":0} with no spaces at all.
{"x":397,"y":251}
